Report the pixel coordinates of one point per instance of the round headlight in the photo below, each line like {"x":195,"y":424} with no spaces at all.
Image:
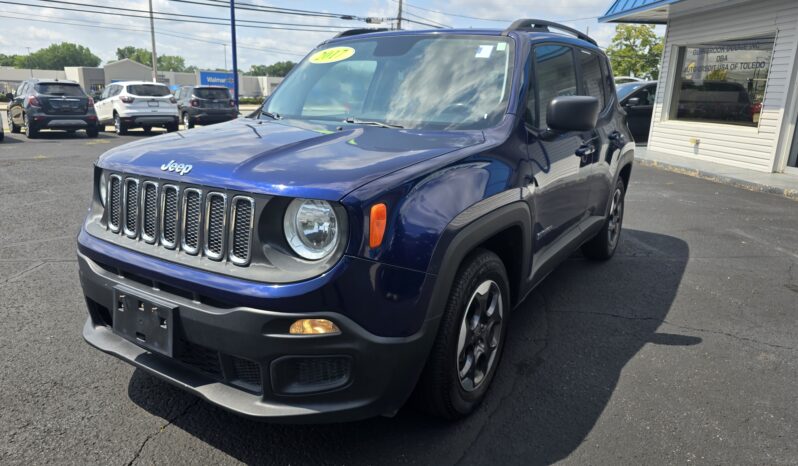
{"x":103,"y":187}
{"x":311,"y":228}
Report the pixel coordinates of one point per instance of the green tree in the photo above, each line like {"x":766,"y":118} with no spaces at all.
{"x":279,"y":69}
{"x":635,"y":50}
{"x":144,"y":56}
{"x":8,"y":60}
{"x":57,"y":56}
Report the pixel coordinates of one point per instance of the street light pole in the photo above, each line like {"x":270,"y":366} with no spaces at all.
{"x":154,"y":56}
{"x":235,"y":53}
{"x":30,"y":68}
{"x":225,"y":56}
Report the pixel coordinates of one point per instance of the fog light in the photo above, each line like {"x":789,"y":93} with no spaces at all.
{"x":313,"y":327}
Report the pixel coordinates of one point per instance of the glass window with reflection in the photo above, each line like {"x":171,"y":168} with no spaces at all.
{"x":722,"y":82}
{"x":412,"y":81}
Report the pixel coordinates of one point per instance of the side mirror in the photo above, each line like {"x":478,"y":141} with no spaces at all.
{"x":572,"y":113}
{"x":632,"y":102}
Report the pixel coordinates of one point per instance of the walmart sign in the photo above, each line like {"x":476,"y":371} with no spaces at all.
{"x":216,"y":78}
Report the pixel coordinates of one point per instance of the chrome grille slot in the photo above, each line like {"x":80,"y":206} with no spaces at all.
{"x":169,"y":216}
{"x":192,"y":218}
{"x":114,"y":202}
{"x":215,"y":219}
{"x":241,"y":230}
{"x":130,"y":206}
{"x":149,"y":212}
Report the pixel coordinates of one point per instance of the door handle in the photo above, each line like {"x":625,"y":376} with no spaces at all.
{"x":586,"y":151}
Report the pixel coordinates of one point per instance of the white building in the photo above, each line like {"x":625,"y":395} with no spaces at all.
{"x":95,"y":79}
{"x":727,"y":88}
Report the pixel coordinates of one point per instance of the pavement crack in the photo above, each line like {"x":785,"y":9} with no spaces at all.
{"x":683,"y":327}
{"x":161,"y":429}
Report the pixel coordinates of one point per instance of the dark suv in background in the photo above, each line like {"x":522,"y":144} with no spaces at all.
{"x":51,"y":104}
{"x":205,"y":105}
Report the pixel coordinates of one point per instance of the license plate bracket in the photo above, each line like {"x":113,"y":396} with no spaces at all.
{"x":146,"y":322}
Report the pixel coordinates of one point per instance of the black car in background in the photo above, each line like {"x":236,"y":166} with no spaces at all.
{"x":205,"y":105}
{"x":51,"y":104}
{"x":637,"y":98}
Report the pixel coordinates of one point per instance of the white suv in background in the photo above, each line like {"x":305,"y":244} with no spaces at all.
{"x":137,"y":104}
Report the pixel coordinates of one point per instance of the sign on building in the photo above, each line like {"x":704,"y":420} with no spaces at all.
{"x":216,"y":78}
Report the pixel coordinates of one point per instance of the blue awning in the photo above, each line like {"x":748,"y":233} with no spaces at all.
{"x":638,"y":11}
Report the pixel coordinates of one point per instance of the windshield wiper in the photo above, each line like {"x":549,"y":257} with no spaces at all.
{"x":272,"y":115}
{"x":355,"y":121}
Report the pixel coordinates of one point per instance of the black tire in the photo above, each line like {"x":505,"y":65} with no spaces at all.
{"x":2,"y":135}
{"x":147,"y":129}
{"x":602,"y":246}
{"x":443,"y":390}
{"x":119,"y":126}
{"x":188,"y":123}
{"x":92,"y":132}
{"x":172,"y":127}
{"x":30,"y":131}
{"x":14,"y":128}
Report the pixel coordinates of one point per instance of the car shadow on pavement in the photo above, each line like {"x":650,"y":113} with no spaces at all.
{"x":567,"y":345}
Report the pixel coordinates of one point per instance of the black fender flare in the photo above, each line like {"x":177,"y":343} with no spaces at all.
{"x":471,"y":228}
{"x":626,"y":158}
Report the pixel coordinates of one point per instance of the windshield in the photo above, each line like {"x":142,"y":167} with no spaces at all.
{"x":211,"y":93}
{"x":148,"y":90}
{"x":72,"y":90}
{"x":423,"y":81}
{"x":624,"y":90}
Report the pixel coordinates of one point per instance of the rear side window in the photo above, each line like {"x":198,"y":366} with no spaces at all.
{"x":555,"y":75}
{"x":148,"y":90}
{"x":72,"y":90}
{"x":592,"y":78}
{"x":211,"y":93}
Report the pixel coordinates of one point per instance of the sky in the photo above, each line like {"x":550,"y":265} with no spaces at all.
{"x":31,"y":25}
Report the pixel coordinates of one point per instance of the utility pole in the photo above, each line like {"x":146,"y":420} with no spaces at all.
{"x":154,"y":55}
{"x":225,"y":56}
{"x":235,"y":53}
{"x":27,"y":59}
{"x":399,"y":17}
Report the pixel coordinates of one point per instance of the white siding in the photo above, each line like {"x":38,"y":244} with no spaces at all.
{"x":746,"y":147}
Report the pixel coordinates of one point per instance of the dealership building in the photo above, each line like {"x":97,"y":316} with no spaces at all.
{"x":727,"y":89}
{"x":95,"y":79}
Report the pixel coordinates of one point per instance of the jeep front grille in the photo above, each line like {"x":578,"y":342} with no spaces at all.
{"x":196,"y":222}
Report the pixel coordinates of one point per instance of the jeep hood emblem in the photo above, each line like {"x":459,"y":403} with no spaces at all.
{"x":179,"y":168}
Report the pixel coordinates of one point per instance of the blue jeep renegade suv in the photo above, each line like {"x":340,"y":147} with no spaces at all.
{"x":364,"y":236}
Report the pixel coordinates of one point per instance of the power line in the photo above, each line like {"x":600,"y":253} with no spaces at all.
{"x":421,"y":23}
{"x":117,"y":27}
{"x":305,"y":28}
{"x":269,"y":9}
{"x":170,"y":14}
{"x":497,"y":20}
{"x":439,"y":24}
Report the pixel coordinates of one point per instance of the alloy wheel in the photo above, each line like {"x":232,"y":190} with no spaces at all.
{"x":480,"y":335}
{"x":616,"y":218}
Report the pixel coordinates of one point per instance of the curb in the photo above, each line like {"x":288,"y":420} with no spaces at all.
{"x":721,"y":179}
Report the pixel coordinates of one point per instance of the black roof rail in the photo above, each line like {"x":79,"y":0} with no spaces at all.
{"x":541,"y":25}
{"x":355,"y":32}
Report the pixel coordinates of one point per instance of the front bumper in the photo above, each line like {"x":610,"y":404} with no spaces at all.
{"x":380,"y":371}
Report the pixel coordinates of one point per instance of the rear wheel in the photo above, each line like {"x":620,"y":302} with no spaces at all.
{"x":16,"y":129}
{"x":92,"y":132}
{"x":119,"y":126}
{"x":470,"y":340}
{"x":147,"y":129}
{"x":172,"y":127}
{"x":604,"y":244}
{"x":30,"y":131}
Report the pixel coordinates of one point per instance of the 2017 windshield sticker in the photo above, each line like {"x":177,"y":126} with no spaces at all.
{"x":332,"y":55}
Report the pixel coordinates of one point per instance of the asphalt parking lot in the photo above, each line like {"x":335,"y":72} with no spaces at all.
{"x":681,"y":349}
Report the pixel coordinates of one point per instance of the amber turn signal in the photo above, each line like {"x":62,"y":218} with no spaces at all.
{"x":313,"y":327}
{"x":377,"y":221}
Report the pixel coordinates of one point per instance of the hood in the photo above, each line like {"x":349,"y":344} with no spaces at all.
{"x":286,"y":158}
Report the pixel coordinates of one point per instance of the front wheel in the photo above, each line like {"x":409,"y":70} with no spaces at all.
{"x":187,"y":123}
{"x":470,"y":340}
{"x":603,"y":245}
